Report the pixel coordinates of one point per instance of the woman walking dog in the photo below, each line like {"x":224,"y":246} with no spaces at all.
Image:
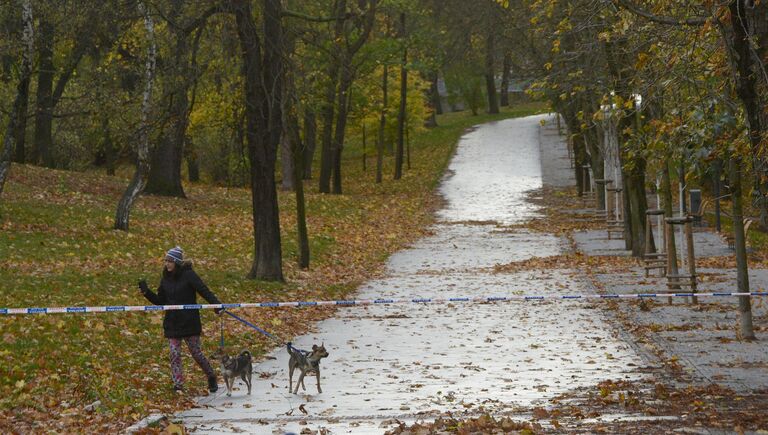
{"x":179,"y":286}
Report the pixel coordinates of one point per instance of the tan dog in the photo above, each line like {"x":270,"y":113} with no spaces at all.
{"x":306,"y":363}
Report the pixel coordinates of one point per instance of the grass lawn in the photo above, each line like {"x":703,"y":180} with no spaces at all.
{"x":58,"y":248}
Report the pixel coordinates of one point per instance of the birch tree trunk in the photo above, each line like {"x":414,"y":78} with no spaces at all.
{"x":139,"y":180}
{"x":22,"y":94}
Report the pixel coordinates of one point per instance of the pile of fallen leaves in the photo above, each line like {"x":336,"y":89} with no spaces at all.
{"x":563,"y":211}
{"x":573,"y":261}
{"x":712,"y":406}
{"x":484,"y":424}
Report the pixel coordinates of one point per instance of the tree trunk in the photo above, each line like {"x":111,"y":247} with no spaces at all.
{"x":627,"y":205}
{"x":327,"y":116}
{"x":263,"y":94}
{"x":139,"y":181}
{"x":193,"y":163}
{"x":351,"y":47}
{"x":717,"y":169}
{"x":742,"y":268}
{"x":635,"y":189}
{"x":108,"y":146}
{"x":666,"y":196}
{"x":44,"y":111}
{"x":49,"y":96}
{"x":345,"y":82}
{"x":407,"y":146}
{"x":403,"y":102}
{"x":581,"y":157}
{"x":505,"y":73}
{"x":598,"y":171}
{"x":618,"y":65}
{"x":287,"y":160}
{"x":297,"y":153}
{"x":327,"y":113}
{"x":434,"y":101}
{"x":382,"y":125}
{"x":22,"y":94}
{"x":435,"y":90}
{"x":190,"y":152}
{"x":745,"y":17}
{"x":490,"y":79}
{"x":20,"y":133}
{"x":310,"y":141}
{"x":592,"y":140}
{"x":301,"y":214}
{"x":165,"y":172}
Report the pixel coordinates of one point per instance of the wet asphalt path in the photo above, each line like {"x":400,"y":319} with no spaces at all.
{"x":412,"y":362}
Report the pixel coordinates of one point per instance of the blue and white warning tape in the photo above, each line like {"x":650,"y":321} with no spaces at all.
{"x":117,"y":308}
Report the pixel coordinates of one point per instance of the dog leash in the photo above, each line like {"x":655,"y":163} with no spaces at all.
{"x":265,"y":333}
{"x":221,"y":340}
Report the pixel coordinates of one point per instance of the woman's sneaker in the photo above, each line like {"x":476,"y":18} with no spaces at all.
{"x":178,"y":389}
{"x":213,"y":386}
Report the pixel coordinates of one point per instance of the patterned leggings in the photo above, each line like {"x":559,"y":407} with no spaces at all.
{"x":193,"y":343}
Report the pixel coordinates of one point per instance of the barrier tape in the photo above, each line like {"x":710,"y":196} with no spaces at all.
{"x":121,"y":308}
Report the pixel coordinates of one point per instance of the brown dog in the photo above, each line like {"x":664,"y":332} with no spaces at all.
{"x":231,"y":368}
{"x":306,"y":362}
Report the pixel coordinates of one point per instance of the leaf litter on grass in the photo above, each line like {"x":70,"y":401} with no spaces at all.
{"x":99,"y":372}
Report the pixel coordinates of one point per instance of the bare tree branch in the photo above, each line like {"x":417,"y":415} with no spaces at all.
{"x":669,"y":21}
{"x":299,"y":15}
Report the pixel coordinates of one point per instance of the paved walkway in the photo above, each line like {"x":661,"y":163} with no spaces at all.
{"x":411,"y":362}
{"x":703,"y":338}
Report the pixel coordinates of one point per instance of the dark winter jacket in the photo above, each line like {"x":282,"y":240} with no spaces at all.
{"x":180,"y":287}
